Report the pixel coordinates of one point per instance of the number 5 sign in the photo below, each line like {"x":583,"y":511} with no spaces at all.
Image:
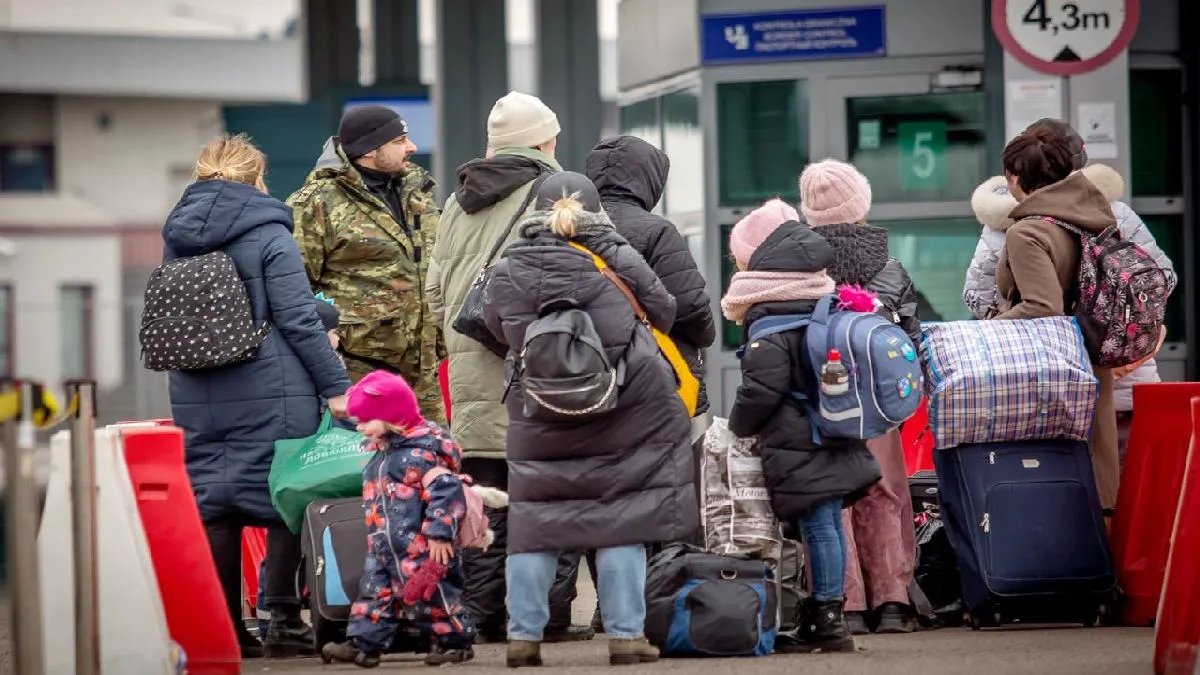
{"x":922,"y":155}
{"x":1064,"y":37}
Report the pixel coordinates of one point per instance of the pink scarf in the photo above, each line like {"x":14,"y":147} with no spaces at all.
{"x":747,"y":289}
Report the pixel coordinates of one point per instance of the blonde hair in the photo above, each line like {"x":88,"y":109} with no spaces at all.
{"x":232,"y":158}
{"x":563,"y":215}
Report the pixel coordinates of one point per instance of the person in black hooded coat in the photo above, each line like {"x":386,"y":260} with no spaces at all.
{"x":881,"y":542}
{"x":630,"y":175}
{"x":613,"y":481}
{"x":782,"y":272}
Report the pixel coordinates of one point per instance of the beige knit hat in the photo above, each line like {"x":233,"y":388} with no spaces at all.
{"x":520,"y":121}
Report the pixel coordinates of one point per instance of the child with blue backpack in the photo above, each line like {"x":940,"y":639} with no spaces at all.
{"x":782,"y":273}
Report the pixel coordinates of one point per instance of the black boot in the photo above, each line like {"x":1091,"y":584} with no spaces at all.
{"x":249,"y":645}
{"x":856,"y":622}
{"x":570,"y":633}
{"x":347,"y":652}
{"x":287,"y":634}
{"x":441,"y":655}
{"x":894,"y":618}
{"x":822,"y":629}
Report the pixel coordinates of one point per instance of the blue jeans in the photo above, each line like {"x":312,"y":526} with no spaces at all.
{"x":826,"y":541}
{"x":621,"y":578}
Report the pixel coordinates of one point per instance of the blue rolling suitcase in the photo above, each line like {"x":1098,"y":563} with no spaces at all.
{"x":1025,"y":523}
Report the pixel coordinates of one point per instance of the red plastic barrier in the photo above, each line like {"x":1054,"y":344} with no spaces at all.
{"x":1149,"y":493}
{"x":254,"y":551}
{"x":197,"y":617}
{"x":1177,"y":631}
{"x":444,"y":382}
{"x":917,"y":438}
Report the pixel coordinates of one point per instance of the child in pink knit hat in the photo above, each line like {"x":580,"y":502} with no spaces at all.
{"x":782,"y":274}
{"x":411,"y":528}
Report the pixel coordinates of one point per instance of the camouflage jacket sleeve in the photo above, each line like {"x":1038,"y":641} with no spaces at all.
{"x":312,"y":231}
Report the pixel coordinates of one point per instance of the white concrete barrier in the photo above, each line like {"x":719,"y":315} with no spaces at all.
{"x":133,"y":626}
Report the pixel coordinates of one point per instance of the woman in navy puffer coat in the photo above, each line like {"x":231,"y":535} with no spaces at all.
{"x":232,"y":416}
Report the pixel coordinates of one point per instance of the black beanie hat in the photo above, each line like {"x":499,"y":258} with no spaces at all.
{"x":328,"y":313}
{"x":1074,"y":140}
{"x":367,"y":127}
{"x":565,"y":184}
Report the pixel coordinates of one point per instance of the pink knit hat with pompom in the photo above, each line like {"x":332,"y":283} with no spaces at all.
{"x":384,"y":396}
{"x":753,"y":229}
{"x":833,"y":192}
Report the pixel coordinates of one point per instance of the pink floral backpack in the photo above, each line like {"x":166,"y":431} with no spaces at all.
{"x":473,"y":531}
{"x":1122,"y":297}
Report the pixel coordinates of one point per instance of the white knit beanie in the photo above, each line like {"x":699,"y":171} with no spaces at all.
{"x":520,"y":121}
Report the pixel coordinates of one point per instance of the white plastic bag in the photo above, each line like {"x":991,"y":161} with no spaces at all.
{"x":737,"y":516}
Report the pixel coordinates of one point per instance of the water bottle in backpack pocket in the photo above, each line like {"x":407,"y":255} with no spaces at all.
{"x":869,"y":378}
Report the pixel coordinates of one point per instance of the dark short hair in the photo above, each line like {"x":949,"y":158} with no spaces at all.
{"x":1038,"y":157}
{"x":1074,"y":140}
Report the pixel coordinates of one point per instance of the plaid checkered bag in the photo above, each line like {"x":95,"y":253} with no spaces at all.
{"x":1002,"y":381}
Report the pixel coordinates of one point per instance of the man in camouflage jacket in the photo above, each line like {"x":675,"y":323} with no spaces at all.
{"x":366,"y":223}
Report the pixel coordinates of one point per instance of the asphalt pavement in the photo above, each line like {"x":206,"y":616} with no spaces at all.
{"x":1008,"y":651}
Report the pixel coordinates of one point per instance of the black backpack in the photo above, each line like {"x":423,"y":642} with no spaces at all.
{"x":197,"y":315}
{"x":564,"y":372}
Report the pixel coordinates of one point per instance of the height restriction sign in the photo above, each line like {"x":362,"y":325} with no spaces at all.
{"x":1064,"y":37}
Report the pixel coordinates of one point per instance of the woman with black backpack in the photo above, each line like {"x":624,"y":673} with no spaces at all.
{"x":599,"y":455}
{"x":233,"y":411}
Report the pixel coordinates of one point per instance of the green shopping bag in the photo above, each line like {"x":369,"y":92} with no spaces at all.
{"x":326,"y":465}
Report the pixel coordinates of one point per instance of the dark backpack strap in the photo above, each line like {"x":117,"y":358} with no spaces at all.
{"x":529,"y":197}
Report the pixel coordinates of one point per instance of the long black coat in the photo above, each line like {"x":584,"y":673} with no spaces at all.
{"x":618,"y":479}
{"x":630,"y":175}
{"x":232,"y":416}
{"x":800,"y":474}
{"x":861,"y":257}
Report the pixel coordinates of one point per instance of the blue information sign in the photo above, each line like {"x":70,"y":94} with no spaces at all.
{"x":788,"y":36}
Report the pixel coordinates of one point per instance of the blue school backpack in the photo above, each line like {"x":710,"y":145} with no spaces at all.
{"x":885,"y":375}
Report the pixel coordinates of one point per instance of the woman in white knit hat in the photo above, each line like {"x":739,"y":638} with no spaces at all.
{"x":491,"y":196}
{"x":835,"y":198}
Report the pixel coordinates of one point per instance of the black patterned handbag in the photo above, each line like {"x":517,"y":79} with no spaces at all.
{"x":470,"y":321}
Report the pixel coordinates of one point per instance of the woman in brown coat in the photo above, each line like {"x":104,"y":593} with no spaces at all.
{"x":1038,"y":268}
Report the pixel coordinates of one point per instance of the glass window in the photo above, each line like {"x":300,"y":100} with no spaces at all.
{"x":7,"y":316}
{"x":1168,"y":234}
{"x":920,"y":148}
{"x":26,"y":168}
{"x":1155,"y":129}
{"x":641,"y":119}
{"x":762,"y":130}
{"x":936,"y":254}
{"x":683,"y":141}
{"x":76,"y":330}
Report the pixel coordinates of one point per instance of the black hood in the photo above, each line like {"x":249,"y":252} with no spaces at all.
{"x":859,"y":251}
{"x":483,"y":182}
{"x":792,"y":248}
{"x":626,"y":167}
